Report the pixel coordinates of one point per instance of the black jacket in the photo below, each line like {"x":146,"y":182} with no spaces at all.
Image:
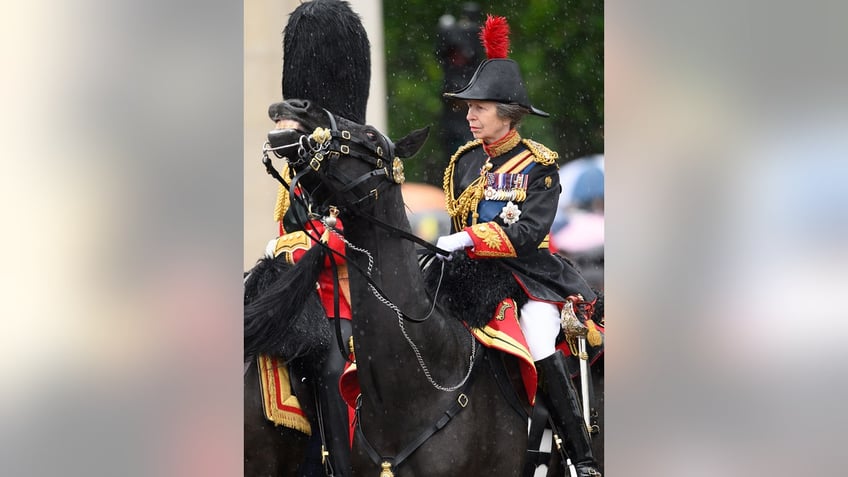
{"x":525,"y":173}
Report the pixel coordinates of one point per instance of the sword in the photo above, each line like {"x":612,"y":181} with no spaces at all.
{"x":584,"y":380}
{"x":575,"y":336}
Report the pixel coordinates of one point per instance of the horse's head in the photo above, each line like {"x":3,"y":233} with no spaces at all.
{"x":337,"y":161}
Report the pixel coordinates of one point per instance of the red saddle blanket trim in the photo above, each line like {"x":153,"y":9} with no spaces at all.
{"x":349,"y":385}
{"x":280,"y":404}
{"x":502,"y":333}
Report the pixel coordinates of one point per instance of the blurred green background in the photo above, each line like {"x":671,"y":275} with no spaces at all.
{"x":557,"y":44}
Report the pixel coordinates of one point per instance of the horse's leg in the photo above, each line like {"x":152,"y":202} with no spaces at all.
{"x":334,"y":410}
{"x":269,"y":450}
{"x":302,"y":387}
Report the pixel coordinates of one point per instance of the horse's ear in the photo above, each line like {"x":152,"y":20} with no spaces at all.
{"x":411,"y":143}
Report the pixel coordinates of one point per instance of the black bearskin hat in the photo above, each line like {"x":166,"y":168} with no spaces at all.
{"x":327,"y":58}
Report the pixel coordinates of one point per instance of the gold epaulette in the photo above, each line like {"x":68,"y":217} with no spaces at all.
{"x":287,"y":244}
{"x":543,"y":154}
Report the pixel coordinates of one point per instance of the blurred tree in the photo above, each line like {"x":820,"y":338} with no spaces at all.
{"x":558,"y":45}
{"x":458,"y":51}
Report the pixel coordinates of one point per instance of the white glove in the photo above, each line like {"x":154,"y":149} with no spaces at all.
{"x":454,"y":242}
{"x":271,"y":248}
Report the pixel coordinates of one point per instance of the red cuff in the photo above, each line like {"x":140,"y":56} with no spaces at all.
{"x":489,"y":241}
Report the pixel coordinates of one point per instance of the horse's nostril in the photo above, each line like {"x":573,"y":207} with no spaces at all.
{"x":299,"y":103}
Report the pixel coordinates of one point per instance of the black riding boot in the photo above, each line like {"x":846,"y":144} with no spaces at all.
{"x":334,"y":411}
{"x":561,"y":398}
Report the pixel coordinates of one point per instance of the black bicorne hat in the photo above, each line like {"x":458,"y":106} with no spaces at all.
{"x":498,"y":78}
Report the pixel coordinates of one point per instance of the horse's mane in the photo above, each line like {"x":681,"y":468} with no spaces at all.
{"x":327,"y":58}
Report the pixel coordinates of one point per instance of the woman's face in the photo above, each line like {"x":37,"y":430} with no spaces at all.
{"x":484,"y":121}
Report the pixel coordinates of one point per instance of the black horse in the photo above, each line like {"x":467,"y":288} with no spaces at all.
{"x":430,"y":403}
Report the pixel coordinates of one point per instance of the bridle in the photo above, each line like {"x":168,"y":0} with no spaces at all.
{"x":318,"y":150}
{"x":315,"y":153}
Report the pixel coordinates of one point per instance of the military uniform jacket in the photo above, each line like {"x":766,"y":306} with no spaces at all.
{"x":505,"y":196}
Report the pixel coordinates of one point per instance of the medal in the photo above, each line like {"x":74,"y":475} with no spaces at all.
{"x":510,"y":213}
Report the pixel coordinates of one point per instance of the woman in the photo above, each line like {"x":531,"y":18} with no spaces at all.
{"x":502,"y":192}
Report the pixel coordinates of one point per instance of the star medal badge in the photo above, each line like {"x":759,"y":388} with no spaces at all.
{"x":510,"y":213}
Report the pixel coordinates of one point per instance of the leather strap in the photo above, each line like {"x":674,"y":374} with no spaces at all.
{"x":534,"y":456}
{"x":458,"y":405}
{"x":328,"y":466}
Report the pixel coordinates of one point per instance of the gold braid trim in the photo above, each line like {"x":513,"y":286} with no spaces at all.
{"x":466,"y":203}
{"x":290,"y":414}
{"x":543,"y":154}
{"x":283,"y":200}
{"x":504,"y":145}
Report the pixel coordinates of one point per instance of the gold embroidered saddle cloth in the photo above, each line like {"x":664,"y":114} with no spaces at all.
{"x":278,"y":400}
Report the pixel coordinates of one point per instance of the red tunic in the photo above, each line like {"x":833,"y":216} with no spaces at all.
{"x":325,"y":278}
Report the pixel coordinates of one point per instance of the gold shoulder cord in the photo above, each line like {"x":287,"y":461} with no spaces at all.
{"x":543,"y":155}
{"x":283,"y":200}
{"x":467,"y":201}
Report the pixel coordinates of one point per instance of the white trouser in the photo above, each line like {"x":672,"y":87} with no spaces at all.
{"x":540,"y":323}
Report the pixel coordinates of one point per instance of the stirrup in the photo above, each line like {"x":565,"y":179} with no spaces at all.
{"x":588,"y":471}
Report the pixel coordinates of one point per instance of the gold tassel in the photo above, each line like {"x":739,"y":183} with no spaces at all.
{"x":594,"y":337}
{"x":283,"y":200}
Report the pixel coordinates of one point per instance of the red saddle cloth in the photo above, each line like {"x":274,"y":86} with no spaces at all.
{"x":502,"y":333}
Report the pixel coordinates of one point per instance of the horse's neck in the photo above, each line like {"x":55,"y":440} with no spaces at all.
{"x":396,"y":269}
{"x":443,"y":342}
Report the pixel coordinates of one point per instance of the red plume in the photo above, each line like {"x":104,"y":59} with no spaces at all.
{"x":495,"y":37}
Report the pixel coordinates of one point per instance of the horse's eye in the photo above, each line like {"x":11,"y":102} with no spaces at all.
{"x":371,"y":135}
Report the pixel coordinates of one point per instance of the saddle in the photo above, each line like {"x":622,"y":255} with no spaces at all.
{"x":487,"y":297}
